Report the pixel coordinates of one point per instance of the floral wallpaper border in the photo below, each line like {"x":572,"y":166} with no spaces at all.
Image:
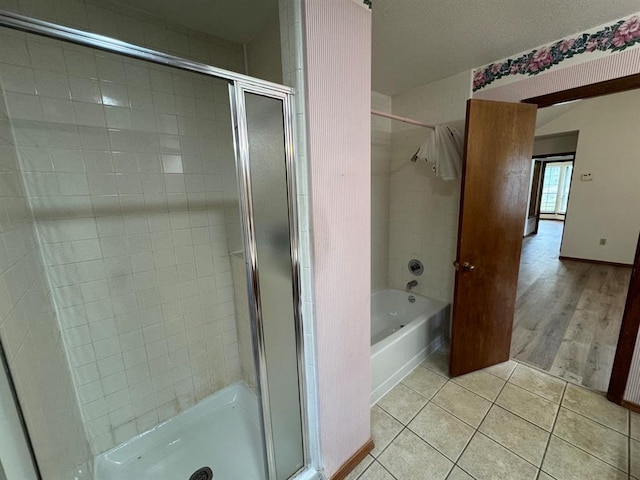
{"x":612,"y":38}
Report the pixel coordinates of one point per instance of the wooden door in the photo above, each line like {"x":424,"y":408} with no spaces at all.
{"x":493,"y":204}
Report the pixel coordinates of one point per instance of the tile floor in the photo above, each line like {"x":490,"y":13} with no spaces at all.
{"x":509,"y":421}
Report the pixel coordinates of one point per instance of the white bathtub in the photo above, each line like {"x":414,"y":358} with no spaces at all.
{"x":402,"y":335}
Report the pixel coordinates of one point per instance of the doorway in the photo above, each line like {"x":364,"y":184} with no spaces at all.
{"x":573,"y":281}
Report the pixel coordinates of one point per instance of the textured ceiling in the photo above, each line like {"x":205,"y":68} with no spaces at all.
{"x":235,"y":20}
{"x":416,"y":42}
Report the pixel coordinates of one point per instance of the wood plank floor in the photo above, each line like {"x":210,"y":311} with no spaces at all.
{"x":568,"y":313}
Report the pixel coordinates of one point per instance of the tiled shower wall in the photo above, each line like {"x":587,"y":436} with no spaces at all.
{"x":123,"y":164}
{"x":243,"y":323}
{"x":380,"y":163}
{"x":117,"y":20}
{"x":29,"y":330}
{"x":424,"y":208}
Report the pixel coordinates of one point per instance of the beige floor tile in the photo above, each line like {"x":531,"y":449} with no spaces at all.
{"x":529,"y":406}
{"x":563,"y":461}
{"x":438,"y":361}
{"x":634,"y":418}
{"x":482,"y":383}
{"x":516,"y":434}
{"x":376,"y":472}
{"x":502,"y":370}
{"x":424,"y":381}
{"x":462,"y":403}
{"x":484,"y":459}
{"x":409,"y":458}
{"x":635,"y":458}
{"x":596,"y":407}
{"x":537,"y":382}
{"x":361,"y":467}
{"x":602,"y":442}
{"x":442,"y":430}
{"x":403,"y":403}
{"x":384,"y":428}
{"x":545,"y":476}
{"x":458,"y":474}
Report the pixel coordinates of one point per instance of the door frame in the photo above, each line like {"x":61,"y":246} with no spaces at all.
{"x":627,"y":338}
{"x":630,"y":326}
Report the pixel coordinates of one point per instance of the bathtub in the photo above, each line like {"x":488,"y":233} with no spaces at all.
{"x":402,"y":335}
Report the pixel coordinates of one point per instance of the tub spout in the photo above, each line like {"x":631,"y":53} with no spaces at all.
{"x":411,"y":284}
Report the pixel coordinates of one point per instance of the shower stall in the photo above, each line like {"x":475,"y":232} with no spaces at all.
{"x":150,"y":320}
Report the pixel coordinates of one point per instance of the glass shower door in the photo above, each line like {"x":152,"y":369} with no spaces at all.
{"x":266,"y":169}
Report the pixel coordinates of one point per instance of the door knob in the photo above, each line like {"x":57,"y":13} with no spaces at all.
{"x":466,"y":266}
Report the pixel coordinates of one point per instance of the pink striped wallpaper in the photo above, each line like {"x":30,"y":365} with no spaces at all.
{"x":338,"y":54}
{"x":557,"y":79}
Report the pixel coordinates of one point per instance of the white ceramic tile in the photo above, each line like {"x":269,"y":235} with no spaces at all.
{"x":101,"y":272}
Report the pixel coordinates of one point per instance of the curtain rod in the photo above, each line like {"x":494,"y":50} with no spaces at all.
{"x":401,"y":119}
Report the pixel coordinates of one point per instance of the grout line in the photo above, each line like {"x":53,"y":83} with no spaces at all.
{"x":389,"y":444}
{"x":522,"y":418}
{"x":416,"y":391}
{"x":414,"y":416}
{"x":477,"y":431}
{"x":368,"y":467}
{"x":553,"y":427}
{"x":405,"y":427}
{"x":383,"y":467}
{"x":479,"y":424}
{"x":594,"y":421}
{"x":537,"y":394}
{"x":510,"y":451}
{"x":590,"y":454}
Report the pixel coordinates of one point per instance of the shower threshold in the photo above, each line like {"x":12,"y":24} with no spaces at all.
{"x":221,"y":432}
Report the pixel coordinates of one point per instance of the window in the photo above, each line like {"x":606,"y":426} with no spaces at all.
{"x":555,"y":189}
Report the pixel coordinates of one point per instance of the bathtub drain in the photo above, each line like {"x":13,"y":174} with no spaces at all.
{"x":203,"y":473}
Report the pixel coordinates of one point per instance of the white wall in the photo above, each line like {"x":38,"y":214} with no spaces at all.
{"x":423,"y":208}
{"x":263,"y":53}
{"x":380,"y":165}
{"x":29,"y":331}
{"x":607,"y":207}
{"x":554,"y":144}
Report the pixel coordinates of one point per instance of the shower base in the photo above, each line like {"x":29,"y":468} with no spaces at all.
{"x":221,"y":432}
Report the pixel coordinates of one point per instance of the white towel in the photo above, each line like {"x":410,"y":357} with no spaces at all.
{"x":443,"y":150}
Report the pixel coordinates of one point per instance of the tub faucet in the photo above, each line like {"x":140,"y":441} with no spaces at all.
{"x":411,"y":284}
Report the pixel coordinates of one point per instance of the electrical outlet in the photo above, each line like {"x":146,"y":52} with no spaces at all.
{"x":603,"y":241}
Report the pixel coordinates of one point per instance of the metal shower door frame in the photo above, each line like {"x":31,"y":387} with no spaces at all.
{"x":237,"y":93}
{"x":239,"y":84}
